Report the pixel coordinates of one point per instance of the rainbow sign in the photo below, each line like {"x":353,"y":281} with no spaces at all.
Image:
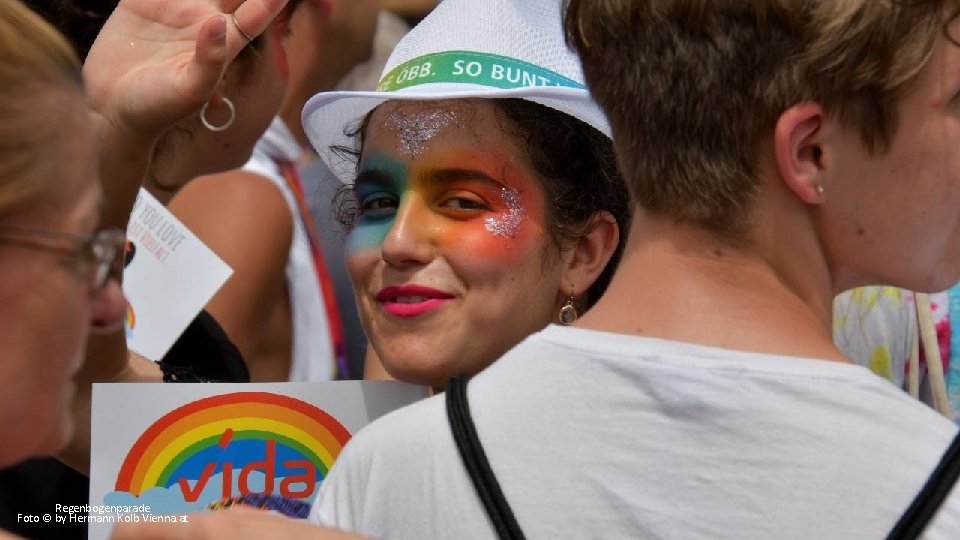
{"x":291,"y":443}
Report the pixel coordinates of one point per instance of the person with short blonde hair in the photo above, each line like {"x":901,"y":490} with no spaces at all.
{"x":855,"y":58}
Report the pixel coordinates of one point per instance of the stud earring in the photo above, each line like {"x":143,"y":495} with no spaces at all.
{"x":568,"y":313}
{"x":819,"y":189}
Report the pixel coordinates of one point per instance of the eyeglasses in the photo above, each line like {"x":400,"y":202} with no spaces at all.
{"x":94,"y":254}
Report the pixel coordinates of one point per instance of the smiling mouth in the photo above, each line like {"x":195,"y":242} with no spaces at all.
{"x":411,"y":301}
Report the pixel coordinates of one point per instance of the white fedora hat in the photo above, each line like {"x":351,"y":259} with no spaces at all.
{"x":465,"y":49}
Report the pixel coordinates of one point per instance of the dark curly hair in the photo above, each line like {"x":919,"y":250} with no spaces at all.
{"x":574,"y":161}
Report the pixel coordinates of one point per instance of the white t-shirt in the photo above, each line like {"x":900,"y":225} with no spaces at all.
{"x":593,"y":434}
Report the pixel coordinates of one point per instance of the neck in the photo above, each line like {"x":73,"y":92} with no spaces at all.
{"x":167,"y":176}
{"x":290,"y":114}
{"x":679,"y":282}
{"x":300,"y":91}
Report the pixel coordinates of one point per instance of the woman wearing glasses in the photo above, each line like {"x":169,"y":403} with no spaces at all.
{"x":56,"y":259}
{"x":59,"y":231}
{"x":54,"y":264}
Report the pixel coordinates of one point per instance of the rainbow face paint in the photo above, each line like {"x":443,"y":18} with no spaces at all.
{"x":449,"y":257}
{"x":509,"y":224}
{"x":446,"y":199}
{"x":414,"y":129}
{"x":378,"y":190}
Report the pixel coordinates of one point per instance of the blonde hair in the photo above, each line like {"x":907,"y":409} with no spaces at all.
{"x":692,"y":87}
{"x":37,"y":62}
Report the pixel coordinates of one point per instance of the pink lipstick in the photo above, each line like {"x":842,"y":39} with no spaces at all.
{"x":411,"y":300}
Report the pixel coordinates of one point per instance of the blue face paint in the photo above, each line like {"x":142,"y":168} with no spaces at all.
{"x":378,"y":189}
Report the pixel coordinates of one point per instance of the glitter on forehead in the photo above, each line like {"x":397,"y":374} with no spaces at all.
{"x":418,"y":128}
{"x":508,"y":225}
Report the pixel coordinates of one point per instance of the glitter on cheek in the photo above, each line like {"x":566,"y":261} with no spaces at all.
{"x":508,"y":225}
{"x":416,"y":129}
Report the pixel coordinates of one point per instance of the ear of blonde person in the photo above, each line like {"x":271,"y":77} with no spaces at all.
{"x":236,"y":524}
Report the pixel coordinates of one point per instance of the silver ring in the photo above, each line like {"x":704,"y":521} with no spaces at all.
{"x":206,"y":123}
{"x":248,"y":37}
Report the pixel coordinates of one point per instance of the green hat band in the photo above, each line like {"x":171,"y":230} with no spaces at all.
{"x":471,"y":68}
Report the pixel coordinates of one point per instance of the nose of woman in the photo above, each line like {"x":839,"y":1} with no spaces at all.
{"x":107,"y":307}
{"x":410,"y":240}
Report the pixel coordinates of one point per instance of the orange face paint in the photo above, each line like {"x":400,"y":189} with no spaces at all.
{"x":456,"y":200}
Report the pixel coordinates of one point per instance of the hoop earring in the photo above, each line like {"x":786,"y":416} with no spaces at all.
{"x":223,"y":127}
{"x":568,"y":313}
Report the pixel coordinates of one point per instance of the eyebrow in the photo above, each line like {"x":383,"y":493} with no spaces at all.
{"x":445,"y":176}
{"x":380,"y":176}
{"x":374,"y":176}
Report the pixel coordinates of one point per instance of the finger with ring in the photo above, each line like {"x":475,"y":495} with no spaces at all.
{"x":248,"y":37}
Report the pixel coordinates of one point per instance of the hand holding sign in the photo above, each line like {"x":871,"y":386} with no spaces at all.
{"x":238,"y":523}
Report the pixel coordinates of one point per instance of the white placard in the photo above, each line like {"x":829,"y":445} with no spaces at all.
{"x":161,"y":451}
{"x":169,"y":276}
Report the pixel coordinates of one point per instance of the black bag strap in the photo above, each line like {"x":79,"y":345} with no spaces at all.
{"x":475,"y":460}
{"x":931,"y":496}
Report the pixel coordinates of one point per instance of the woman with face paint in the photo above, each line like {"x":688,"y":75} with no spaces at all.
{"x":484,"y":203}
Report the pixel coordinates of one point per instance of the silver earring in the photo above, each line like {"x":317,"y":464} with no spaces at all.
{"x":568,"y":313}
{"x":819,"y":189}
{"x":222,"y":127}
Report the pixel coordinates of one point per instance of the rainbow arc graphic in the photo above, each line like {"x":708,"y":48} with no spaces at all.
{"x":225,"y":433}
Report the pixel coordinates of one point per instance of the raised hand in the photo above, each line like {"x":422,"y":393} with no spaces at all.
{"x":157,"y":61}
{"x":154,"y":63}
